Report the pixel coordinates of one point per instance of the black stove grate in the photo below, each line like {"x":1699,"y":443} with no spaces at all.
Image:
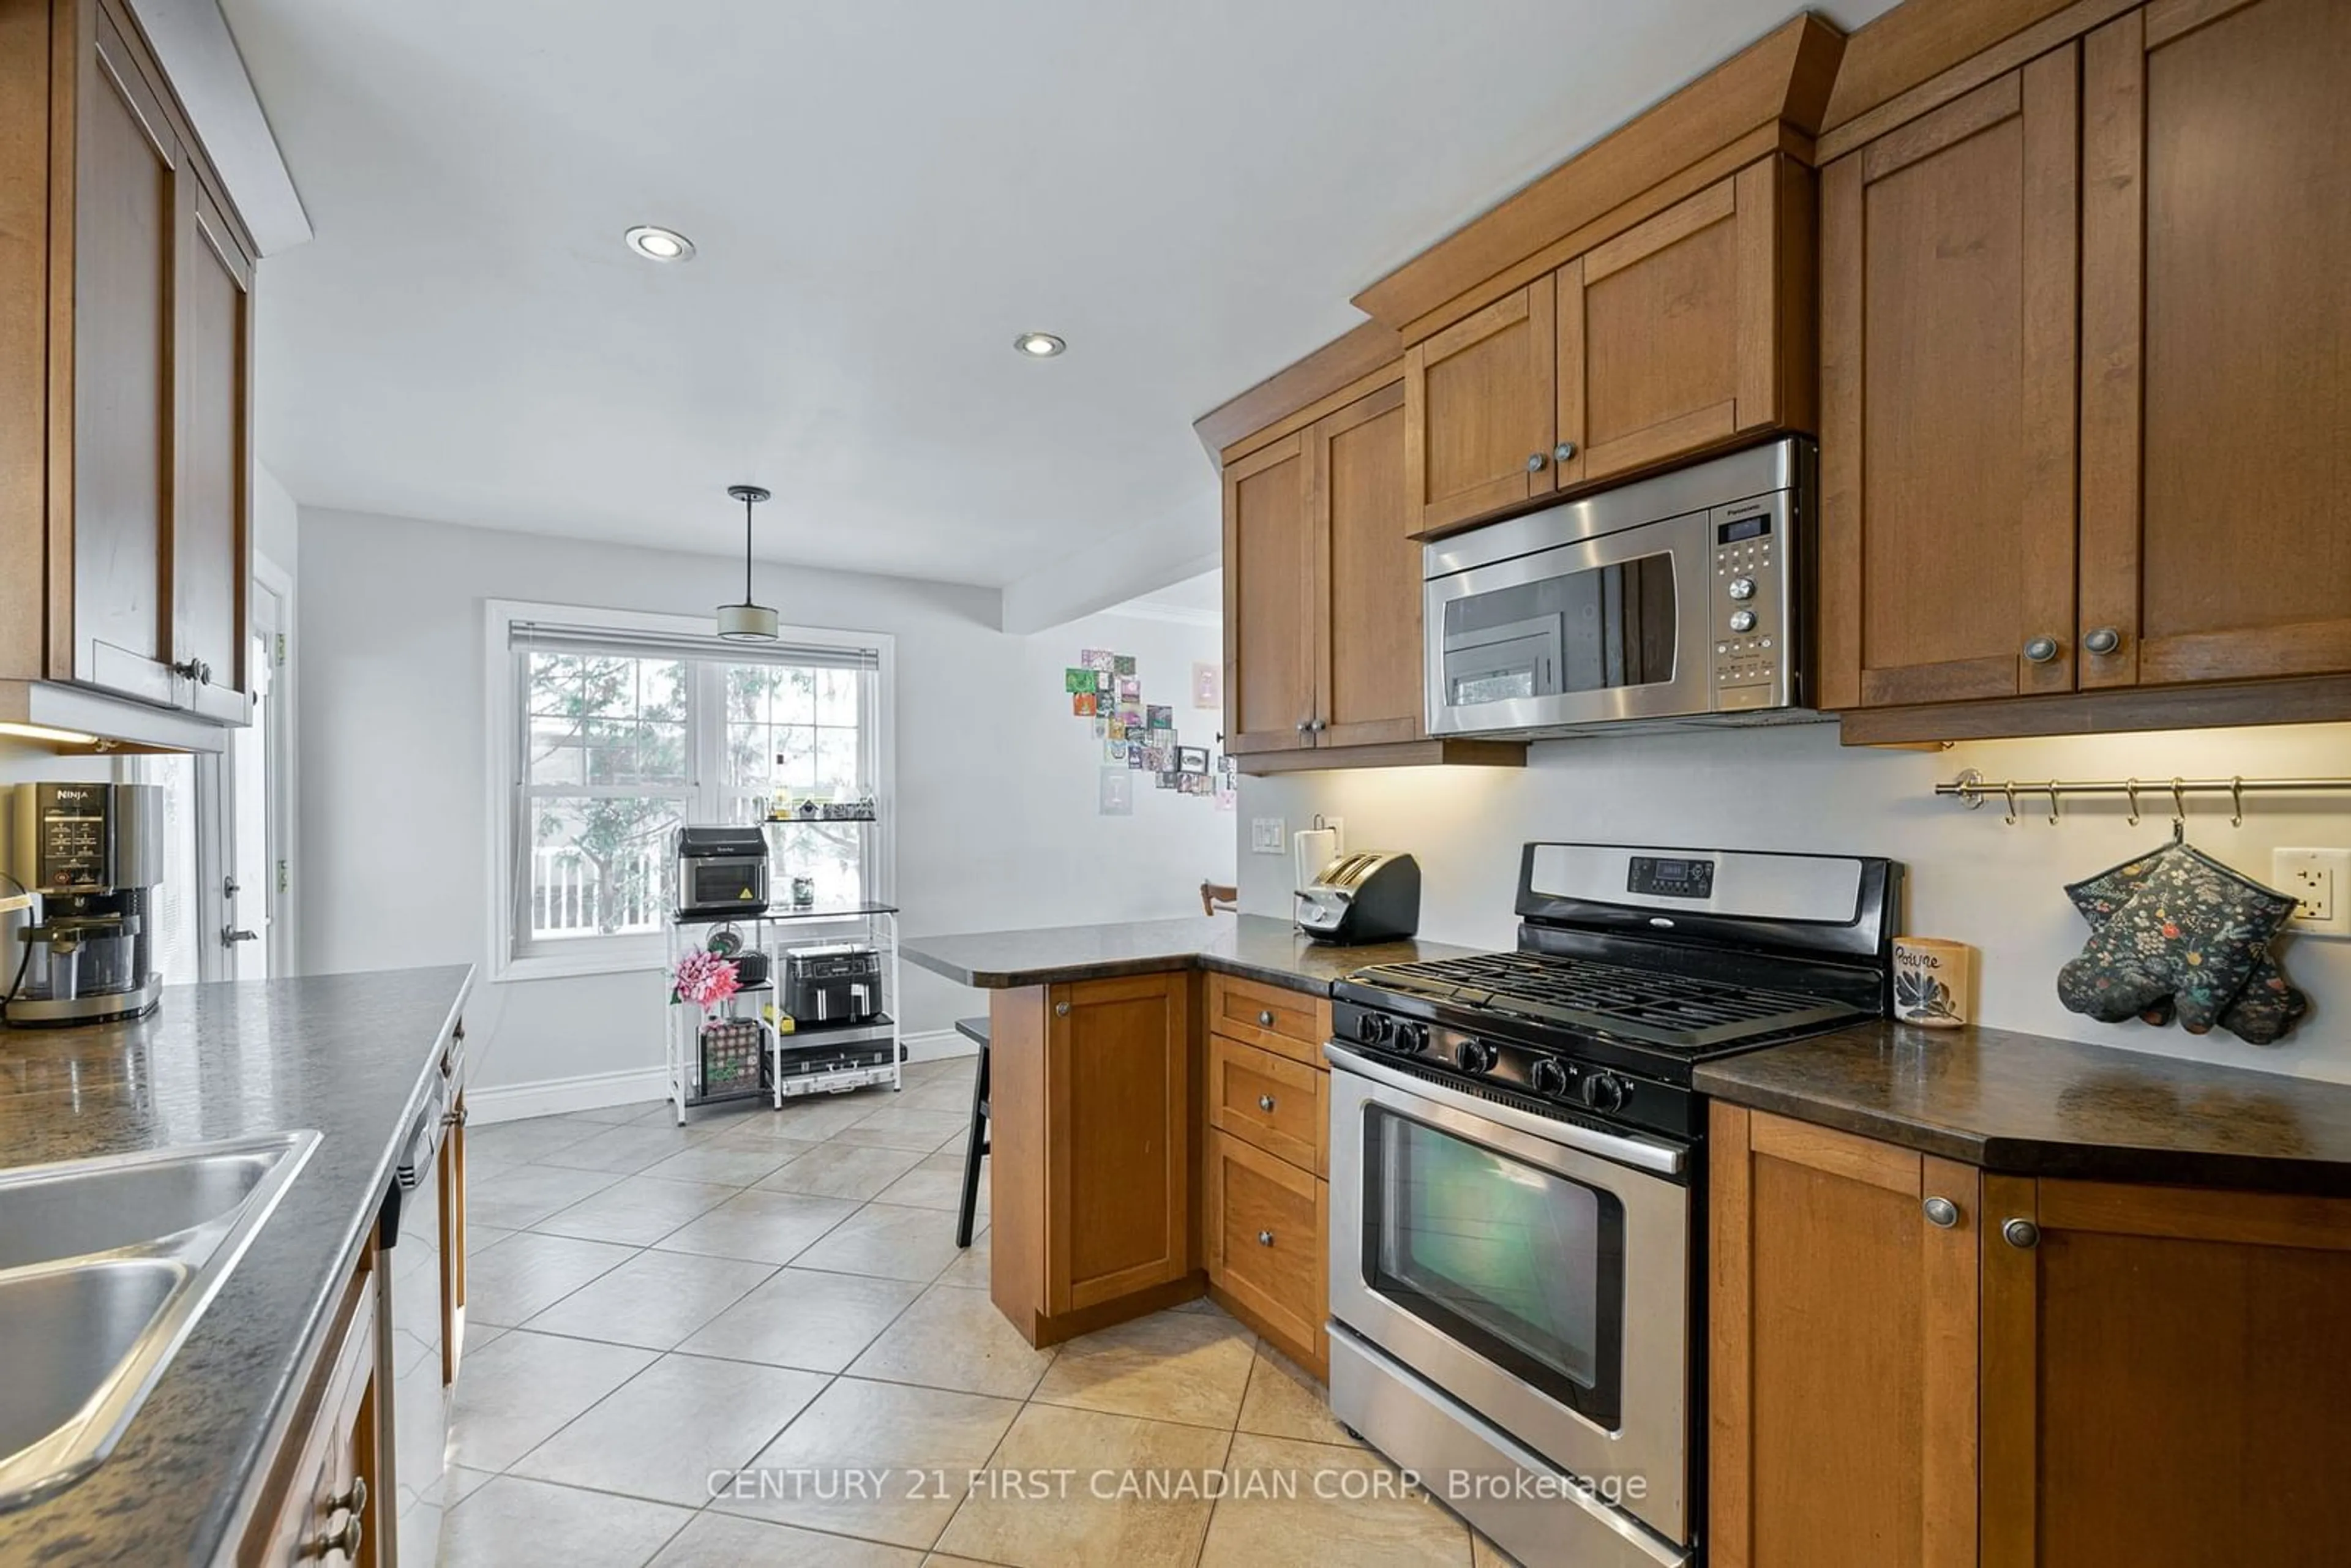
{"x":1648,"y":1005}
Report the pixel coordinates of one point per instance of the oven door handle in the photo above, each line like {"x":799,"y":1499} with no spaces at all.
{"x":1638,"y":1153}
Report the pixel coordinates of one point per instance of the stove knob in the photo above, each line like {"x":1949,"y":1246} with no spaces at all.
{"x":1374,"y":1028}
{"x":1606,"y":1091}
{"x":1473,"y":1056}
{"x":1411,"y":1038}
{"x":1551,"y":1077}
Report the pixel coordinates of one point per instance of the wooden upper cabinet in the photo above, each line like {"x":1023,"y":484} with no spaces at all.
{"x":1269,"y":599}
{"x":2163,"y":1380}
{"x":2216,"y":388}
{"x":1118,"y":1135}
{"x":1684,"y":332}
{"x":1367,"y":682}
{"x":210,"y":548}
{"x":1479,"y":411}
{"x":1949,"y":287}
{"x":129,"y":183}
{"x":1843,"y":1400}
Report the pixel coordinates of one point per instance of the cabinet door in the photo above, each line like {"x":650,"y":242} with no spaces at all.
{"x":211,"y":564}
{"x":1948,"y":292}
{"x":1670,"y":334}
{"x":1118,"y":1121}
{"x":126,"y":191}
{"x":1269,"y":599}
{"x":1478,"y":410}
{"x":1367,"y":681}
{"x":2164,"y":1382}
{"x":2216,"y":304}
{"x":1844,"y":1339}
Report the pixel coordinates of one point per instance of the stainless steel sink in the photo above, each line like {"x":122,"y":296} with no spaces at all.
{"x":105,"y":1265}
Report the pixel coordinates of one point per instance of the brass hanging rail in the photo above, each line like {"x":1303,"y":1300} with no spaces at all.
{"x":1974,"y":788}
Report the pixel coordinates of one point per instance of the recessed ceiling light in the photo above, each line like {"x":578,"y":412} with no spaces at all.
{"x":1039,"y":345}
{"x":657,"y":244}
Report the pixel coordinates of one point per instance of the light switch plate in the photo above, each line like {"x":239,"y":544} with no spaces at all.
{"x":1266,"y":837}
{"x":2321,"y":879}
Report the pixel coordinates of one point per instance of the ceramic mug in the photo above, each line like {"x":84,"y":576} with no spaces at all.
{"x":1931,"y":981}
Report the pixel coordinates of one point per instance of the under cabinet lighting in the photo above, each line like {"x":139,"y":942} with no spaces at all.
{"x":44,"y":732}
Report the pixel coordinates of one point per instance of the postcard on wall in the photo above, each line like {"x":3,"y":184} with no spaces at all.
{"x":1077,"y":680}
{"x":1161,"y":716}
{"x":1130,"y":688}
{"x":1082,"y":704}
{"x":1117,"y":798}
{"x":1117,"y":728}
{"x":1123,"y":664}
{"x":1097,"y":658}
{"x":1101,"y":727}
{"x":1192,"y":759}
{"x":1171,"y":780}
{"x":1114,"y":751}
{"x":1134,"y":755}
{"x":1103,"y":679}
{"x":1208,"y":686}
{"x":1227,"y":797}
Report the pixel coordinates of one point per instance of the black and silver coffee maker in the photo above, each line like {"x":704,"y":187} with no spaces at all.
{"x":93,"y":855}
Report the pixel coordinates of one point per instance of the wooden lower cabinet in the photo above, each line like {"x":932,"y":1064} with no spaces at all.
{"x":1268,"y":1249}
{"x":325,"y":1492}
{"x":1919,"y":1364}
{"x":1280,"y":1105}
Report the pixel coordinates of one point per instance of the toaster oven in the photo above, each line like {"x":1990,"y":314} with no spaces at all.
{"x":722,"y":871}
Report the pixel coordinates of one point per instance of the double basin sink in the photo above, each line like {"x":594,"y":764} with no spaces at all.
{"x":105,"y":1265}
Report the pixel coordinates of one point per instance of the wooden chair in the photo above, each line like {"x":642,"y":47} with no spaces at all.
{"x":1216,"y":895}
{"x":976,"y":1146}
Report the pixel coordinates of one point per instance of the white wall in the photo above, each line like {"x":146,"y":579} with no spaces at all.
{"x":1971,"y":877}
{"x":995,"y":790}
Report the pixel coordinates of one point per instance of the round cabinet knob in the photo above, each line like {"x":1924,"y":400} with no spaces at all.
{"x":1606,"y":1091}
{"x":1303,"y":726}
{"x":1061,"y":1010}
{"x":343,"y":1542}
{"x":2041,"y":650}
{"x":1318,"y":727}
{"x":1535,"y":462}
{"x":1564,"y":452}
{"x":1265,"y":1018}
{"x":1265,"y":1238}
{"x":1942,"y":1213}
{"x":352,"y":1501}
{"x":1265,"y":1103}
{"x":2104,"y":640}
{"x":1551,"y":1076}
{"x":1742,"y":620}
{"x":1741,"y":587}
{"x":2022,"y":1234}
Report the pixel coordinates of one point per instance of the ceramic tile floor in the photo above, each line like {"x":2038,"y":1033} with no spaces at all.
{"x":780,"y":1294}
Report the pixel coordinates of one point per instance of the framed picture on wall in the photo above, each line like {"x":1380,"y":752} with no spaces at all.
{"x":1192,"y":759}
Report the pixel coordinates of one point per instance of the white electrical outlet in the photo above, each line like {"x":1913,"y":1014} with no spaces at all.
{"x":2321,"y":879}
{"x":1266,"y":836}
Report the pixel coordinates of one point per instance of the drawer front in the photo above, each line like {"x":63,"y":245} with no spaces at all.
{"x":1279,"y":1104}
{"x":1289,"y":1023}
{"x":1266,"y":1248}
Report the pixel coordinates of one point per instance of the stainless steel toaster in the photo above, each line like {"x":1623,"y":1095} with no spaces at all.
{"x":1373,"y":896}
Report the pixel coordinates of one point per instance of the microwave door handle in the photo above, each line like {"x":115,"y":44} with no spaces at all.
{"x":1638,"y":1153}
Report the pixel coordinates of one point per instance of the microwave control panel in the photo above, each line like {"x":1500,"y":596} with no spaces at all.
{"x":1752,"y":640}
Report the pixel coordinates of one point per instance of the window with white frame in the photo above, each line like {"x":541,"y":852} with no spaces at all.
{"x":617,"y":729}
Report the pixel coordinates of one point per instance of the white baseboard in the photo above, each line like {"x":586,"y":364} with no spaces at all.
{"x":637,"y":1085}
{"x":553,"y":1096}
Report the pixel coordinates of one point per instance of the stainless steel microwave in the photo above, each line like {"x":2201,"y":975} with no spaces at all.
{"x":1676,"y":597}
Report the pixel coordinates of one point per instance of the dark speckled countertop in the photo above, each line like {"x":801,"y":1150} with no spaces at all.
{"x":1251,"y":945}
{"x":2031,"y":1105}
{"x":346,"y":1054}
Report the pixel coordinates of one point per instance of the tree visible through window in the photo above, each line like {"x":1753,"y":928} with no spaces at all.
{"x":610,"y":782}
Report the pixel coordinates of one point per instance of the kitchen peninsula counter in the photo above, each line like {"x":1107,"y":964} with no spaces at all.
{"x":348,"y":1055}
{"x":1252,"y":947}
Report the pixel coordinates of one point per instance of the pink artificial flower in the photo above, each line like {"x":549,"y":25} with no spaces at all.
{"x":705,"y":979}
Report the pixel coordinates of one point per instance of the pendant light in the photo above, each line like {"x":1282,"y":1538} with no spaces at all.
{"x":747,"y":621}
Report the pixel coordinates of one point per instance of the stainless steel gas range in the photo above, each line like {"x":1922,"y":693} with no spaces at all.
{"x":1517,"y":1179}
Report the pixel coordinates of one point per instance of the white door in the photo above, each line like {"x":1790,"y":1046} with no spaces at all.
{"x":251,"y":933}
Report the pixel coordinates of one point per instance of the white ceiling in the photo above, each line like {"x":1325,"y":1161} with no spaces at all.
{"x":883,"y":194}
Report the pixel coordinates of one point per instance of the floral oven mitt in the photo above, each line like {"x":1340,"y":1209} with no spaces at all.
{"x":2179,"y":929}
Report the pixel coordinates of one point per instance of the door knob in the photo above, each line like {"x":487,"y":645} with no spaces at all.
{"x":231,"y":936}
{"x":2022,"y":1234}
{"x":2041,"y":650}
{"x":1535,"y":462}
{"x":1563,"y":451}
{"x":1942,"y":1213}
{"x":2104,"y":640}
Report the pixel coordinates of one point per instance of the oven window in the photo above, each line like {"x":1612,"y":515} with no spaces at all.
{"x":1586,"y":631}
{"x":717,"y":884}
{"x":1518,"y":1264}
